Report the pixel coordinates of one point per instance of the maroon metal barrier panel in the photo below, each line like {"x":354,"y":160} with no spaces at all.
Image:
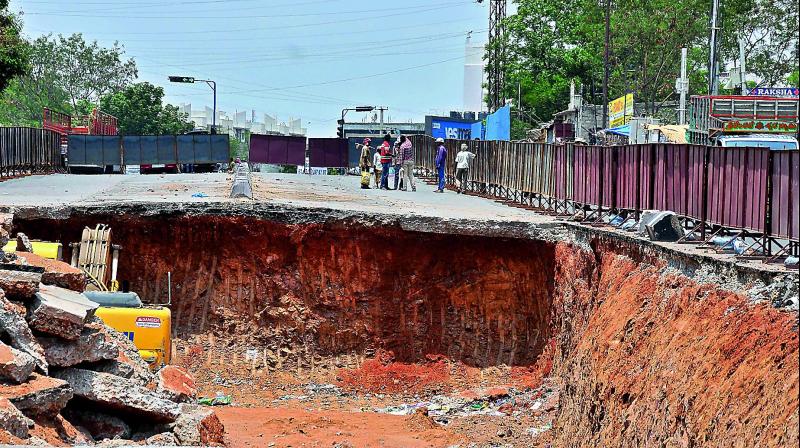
{"x":327,"y":152}
{"x":678,"y":182}
{"x":785,"y":194}
{"x":737,"y":187}
{"x":628,"y":177}
{"x":586,"y":175}
{"x":277,"y":149}
{"x":564,"y":160}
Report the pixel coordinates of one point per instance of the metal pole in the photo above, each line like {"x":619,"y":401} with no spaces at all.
{"x":213,"y":85}
{"x":683,"y":88}
{"x":713,"y":74}
{"x":742,"y":69}
{"x":605,"y":63}
{"x":381,"y":109}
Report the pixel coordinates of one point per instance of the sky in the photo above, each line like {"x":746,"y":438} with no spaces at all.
{"x":305,"y":59}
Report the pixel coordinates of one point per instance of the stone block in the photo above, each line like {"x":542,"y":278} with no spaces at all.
{"x":39,"y":396}
{"x":199,"y":426}
{"x":119,"y":394}
{"x":60,"y":312}
{"x":17,"y":332}
{"x":23,"y":243}
{"x":57,"y":273}
{"x":15,"y":365}
{"x":93,"y":345}
{"x":14,"y":421}
{"x":19,"y":285}
{"x":176,"y":384}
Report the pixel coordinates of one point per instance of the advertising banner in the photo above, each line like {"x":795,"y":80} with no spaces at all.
{"x":620,"y":110}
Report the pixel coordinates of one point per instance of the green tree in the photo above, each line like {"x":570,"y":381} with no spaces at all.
{"x":548,"y":43}
{"x":140,"y":110}
{"x":13,"y":54}
{"x":67,"y":74}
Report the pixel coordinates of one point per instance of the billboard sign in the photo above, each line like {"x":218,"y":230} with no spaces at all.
{"x":450,"y":130}
{"x":620,"y":110}
{"x":764,"y":126}
{"x":777,"y":92}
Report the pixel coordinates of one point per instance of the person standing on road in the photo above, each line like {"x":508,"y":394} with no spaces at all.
{"x":396,"y":163}
{"x":376,"y":163}
{"x":441,"y":159}
{"x":407,"y":161}
{"x":364,"y":163}
{"x":386,"y":160}
{"x":463,"y":160}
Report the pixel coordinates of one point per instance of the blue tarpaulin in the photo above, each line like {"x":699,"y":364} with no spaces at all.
{"x":498,"y":124}
{"x":624,"y":130}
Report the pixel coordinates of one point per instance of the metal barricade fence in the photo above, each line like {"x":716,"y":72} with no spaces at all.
{"x":26,"y":150}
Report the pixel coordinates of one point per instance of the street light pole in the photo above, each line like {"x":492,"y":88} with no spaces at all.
{"x":212,"y":84}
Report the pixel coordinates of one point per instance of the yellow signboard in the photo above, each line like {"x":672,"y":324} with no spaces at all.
{"x":620,"y":110}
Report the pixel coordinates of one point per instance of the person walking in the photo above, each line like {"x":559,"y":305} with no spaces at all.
{"x":377,"y":167}
{"x":463,"y":160}
{"x":441,"y":159}
{"x":407,"y":162}
{"x":365,"y":162}
{"x":386,"y":160}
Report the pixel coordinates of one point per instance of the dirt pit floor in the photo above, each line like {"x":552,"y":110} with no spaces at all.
{"x":377,"y":402}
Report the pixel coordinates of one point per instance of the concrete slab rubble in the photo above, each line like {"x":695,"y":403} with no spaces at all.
{"x":39,"y":396}
{"x":119,"y":394}
{"x":14,"y":421}
{"x":93,"y":345}
{"x":14,"y":327}
{"x":19,"y":285}
{"x":15,"y":365}
{"x":60,"y":312}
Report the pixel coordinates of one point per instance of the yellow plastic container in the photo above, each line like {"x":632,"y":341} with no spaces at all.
{"x":148,"y":327}
{"x":44,"y":249}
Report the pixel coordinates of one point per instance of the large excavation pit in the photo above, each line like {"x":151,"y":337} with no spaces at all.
{"x":332,"y":320}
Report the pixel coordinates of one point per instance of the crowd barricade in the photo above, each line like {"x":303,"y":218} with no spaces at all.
{"x":25,"y":150}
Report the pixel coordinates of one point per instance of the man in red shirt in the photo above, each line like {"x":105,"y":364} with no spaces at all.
{"x":386,"y":160}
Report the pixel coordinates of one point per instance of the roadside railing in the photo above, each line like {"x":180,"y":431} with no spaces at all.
{"x":749,"y":193}
{"x":26,"y":150}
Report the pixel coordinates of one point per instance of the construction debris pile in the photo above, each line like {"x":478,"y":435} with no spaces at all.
{"x":66,"y":378}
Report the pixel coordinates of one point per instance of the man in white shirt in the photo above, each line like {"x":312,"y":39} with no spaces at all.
{"x":376,"y":162}
{"x":463,"y":160}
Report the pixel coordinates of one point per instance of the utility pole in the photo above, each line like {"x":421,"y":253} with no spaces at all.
{"x":605,"y":63}
{"x":497,"y":13}
{"x":713,"y":64}
{"x":742,"y":69}
{"x":682,"y":86}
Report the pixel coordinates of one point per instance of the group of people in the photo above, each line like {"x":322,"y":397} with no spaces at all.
{"x":400,"y":157}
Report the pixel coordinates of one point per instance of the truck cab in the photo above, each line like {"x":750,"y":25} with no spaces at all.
{"x":773,"y":142}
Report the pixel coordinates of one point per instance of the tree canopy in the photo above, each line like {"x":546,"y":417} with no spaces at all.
{"x":140,"y":110}
{"x":66,"y":74}
{"x":548,"y":43}
{"x":13,"y":51}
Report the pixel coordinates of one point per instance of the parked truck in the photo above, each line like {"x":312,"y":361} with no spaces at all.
{"x":735,"y":121}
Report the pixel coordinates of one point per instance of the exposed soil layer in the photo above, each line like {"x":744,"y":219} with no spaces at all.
{"x":645,"y":356}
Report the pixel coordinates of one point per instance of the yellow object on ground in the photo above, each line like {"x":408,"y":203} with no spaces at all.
{"x":148,"y":328}
{"x":44,"y":249}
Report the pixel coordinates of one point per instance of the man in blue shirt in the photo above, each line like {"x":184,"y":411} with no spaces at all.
{"x":441,"y":159}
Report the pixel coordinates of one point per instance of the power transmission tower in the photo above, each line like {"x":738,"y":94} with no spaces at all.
{"x":497,"y":13}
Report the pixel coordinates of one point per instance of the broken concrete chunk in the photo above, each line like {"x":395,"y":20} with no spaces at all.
{"x":15,"y":365}
{"x":14,"y":421}
{"x":198,"y":426}
{"x":664,"y":226}
{"x":40,"y":396}
{"x":17,"y":332}
{"x":176,"y":384}
{"x":60,"y":312}
{"x":23,"y":243}
{"x":128,"y":363}
{"x":19,"y":285}
{"x":58,"y":273}
{"x":120,"y":394}
{"x":93,"y":345}
{"x":163,"y":439}
{"x":99,"y":425}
